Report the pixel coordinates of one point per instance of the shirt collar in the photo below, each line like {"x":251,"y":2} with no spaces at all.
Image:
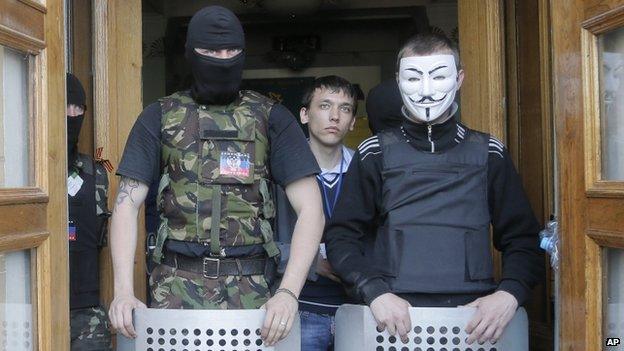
{"x":347,"y":155}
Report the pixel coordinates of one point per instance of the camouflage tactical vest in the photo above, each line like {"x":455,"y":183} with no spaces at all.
{"x":215,"y":189}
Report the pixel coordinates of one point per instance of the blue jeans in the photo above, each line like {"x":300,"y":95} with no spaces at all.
{"x":317,"y":331}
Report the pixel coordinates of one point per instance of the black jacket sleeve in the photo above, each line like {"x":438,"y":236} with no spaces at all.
{"x":353,"y":223}
{"x":515,"y":228}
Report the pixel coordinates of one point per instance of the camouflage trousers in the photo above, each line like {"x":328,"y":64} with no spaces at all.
{"x":89,"y":329}
{"x":177,"y":289}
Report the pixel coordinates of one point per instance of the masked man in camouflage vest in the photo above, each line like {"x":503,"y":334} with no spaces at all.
{"x":87,"y":193}
{"x":216,"y":151}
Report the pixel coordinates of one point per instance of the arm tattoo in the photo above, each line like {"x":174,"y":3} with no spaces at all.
{"x":126,"y":187}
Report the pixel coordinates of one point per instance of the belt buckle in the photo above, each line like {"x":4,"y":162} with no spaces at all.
{"x":205,"y":262}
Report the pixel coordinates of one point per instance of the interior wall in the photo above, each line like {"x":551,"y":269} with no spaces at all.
{"x":364,"y":43}
{"x":153,"y":70}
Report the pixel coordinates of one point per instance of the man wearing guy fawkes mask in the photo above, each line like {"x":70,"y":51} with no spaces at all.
{"x":87,"y":193}
{"x":216,"y":151}
{"x":413,"y":226}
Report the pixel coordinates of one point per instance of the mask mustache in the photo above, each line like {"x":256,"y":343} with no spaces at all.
{"x":428,"y":98}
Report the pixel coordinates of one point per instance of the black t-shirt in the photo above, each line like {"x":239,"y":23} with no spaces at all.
{"x":290,"y":157}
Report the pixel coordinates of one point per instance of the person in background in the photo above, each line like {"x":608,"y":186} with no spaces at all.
{"x":87,"y":196}
{"x":328,"y":109}
{"x":383,"y":106}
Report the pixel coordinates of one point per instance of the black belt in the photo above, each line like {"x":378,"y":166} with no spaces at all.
{"x":212,"y":268}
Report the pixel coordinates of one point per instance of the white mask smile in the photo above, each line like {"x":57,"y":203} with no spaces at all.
{"x":428,"y":85}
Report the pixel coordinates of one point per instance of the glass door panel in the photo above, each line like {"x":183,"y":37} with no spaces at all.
{"x":15,"y":143}
{"x":16,"y":308}
{"x":611,"y":58}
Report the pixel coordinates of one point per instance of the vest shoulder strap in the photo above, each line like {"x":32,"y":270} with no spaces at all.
{"x":101,"y":189}
{"x":184,"y":95}
{"x":100,"y":175}
{"x":387,"y":138}
{"x":477,"y":137}
{"x":257,"y":97}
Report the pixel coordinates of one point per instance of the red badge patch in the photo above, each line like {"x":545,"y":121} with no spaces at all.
{"x":234,"y":164}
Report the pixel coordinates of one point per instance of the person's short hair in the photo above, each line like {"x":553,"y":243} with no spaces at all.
{"x":423,"y":44}
{"x":335,"y":84}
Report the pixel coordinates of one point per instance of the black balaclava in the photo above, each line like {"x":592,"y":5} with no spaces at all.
{"x":215,"y":81}
{"x":75,"y":96}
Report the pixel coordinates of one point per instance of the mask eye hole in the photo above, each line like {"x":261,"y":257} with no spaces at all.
{"x":413,"y":79}
{"x":439,"y":78}
{"x":219,"y":53}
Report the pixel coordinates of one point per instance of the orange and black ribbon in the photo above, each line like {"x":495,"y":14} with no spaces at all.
{"x":106,"y":163}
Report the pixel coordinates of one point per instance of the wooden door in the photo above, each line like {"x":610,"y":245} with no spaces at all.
{"x":588,"y":105}
{"x":34,"y":302}
{"x":105,"y":39}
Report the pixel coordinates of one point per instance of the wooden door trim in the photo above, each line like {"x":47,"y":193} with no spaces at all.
{"x":35,"y":217}
{"x":52,"y":255}
{"x":606,"y":238}
{"x":605,"y":22}
{"x":593,"y":292}
{"x":481,"y":46}
{"x":36,"y":5}
{"x":101,"y":100}
{"x":23,"y":21}
{"x":18,"y":196}
{"x":594,"y":184}
{"x":36,"y":191}
{"x":17,"y":40}
{"x":548,"y":136}
{"x":23,"y":241}
{"x":595,"y":241}
{"x":580,"y":295}
{"x":483,"y":61}
{"x":117,"y":67}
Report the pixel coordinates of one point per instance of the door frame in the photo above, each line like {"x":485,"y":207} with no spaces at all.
{"x":35,"y":217}
{"x":507,"y":93}
{"x":118,"y":60}
{"x":481,"y":46}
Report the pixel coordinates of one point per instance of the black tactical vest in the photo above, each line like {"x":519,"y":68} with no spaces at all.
{"x":89,"y":233}
{"x":435,"y":233}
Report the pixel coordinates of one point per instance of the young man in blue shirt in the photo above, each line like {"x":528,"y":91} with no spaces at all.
{"x":328,"y":109}
{"x":329,"y":112}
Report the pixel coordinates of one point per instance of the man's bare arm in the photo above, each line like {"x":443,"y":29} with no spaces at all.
{"x":305,"y":198}
{"x":123,"y":237}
